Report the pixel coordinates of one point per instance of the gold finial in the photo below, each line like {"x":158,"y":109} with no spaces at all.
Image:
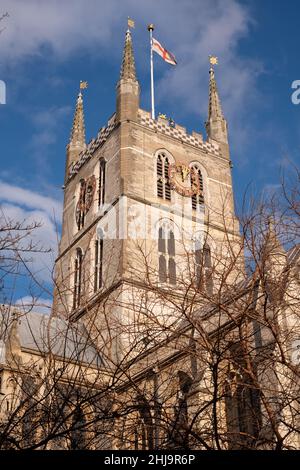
{"x":213,"y":60}
{"x":83,"y":85}
{"x":130,"y":22}
{"x":162,"y":116}
{"x":150,"y":27}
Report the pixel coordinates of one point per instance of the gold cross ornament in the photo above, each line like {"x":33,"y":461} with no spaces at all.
{"x":83,"y":85}
{"x":213,"y":60}
{"x":130,"y":22}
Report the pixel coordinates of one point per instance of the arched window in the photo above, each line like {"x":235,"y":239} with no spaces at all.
{"x":101,"y":182}
{"x":198,"y":266}
{"x":78,"y":429}
{"x":197,"y":186}
{"x":203,"y":268}
{"x":207,"y":269}
{"x":179,"y":434}
{"x":144,"y":431}
{"x":162,"y":172}
{"x":77,"y":278}
{"x":86,"y":199}
{"x":166,"y":255}
{"x":172,"y":271}
{"x":29,"y":420}
{"x":98,"y":274}
{"x":242,"y":404}
{"x":80,"y":208}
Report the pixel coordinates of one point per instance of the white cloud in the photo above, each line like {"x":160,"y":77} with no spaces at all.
{"x":43,"y":237}
{"x":22,"y":205}
{"x":47,"y":123}
{"x":66,"y":26}
{"x":63,"y":27}
{"x":30,"y":199}
{"x":270,"y":189}
{"x":192,"y":30}
{"x":40,"y":305}
{"x":50,"y":118}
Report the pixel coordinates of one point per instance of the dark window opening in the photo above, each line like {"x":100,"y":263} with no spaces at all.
{"x":167,"y":265}
{"x":78,"y":440}
{"x":172,"y":271}
{"x":243,"y":408}
{"x":98,"y":275}
{"x":80,"y":208}
{"x":77,"y":279}
{"x":101,"y":183}
{"x":203,"y":269}
{"x":162,"y":269}
{"x":161,"y":241}
{"x":144,"y":434}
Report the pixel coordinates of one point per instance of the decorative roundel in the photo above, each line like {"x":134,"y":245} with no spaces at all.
{"x":183,"y":180}
{"x":90,"y":191}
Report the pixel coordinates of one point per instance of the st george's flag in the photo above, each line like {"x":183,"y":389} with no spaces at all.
{"x":160,"y":50}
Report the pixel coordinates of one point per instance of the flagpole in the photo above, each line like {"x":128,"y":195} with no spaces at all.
{"x":150,"y":29}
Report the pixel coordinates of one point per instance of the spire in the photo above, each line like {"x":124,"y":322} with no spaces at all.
{"x":128,"y":89}
{"x":272,"y":243}
{"x":77,"y":139}
{"x":216,"y":125}
{"x":214,"y":105}
{"x":128,"y":65}
{"x":273,"y":263}
{"x":78,"y":130}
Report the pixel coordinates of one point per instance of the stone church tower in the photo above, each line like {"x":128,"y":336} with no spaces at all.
{"x":145,"y":205}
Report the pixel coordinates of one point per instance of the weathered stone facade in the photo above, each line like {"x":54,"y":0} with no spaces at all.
{"x":130,"y":144}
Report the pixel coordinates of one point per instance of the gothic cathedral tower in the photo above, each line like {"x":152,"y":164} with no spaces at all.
{"x":146,"y":205}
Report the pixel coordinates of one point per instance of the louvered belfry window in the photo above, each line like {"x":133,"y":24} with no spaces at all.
{"x":163,"y":181}
{"x":197,"y":182}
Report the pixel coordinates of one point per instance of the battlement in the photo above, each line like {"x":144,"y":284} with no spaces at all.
{"x":178,"y":132}
{"x":160,"y":125}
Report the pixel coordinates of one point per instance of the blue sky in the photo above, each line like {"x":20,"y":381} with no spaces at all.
{"x":48,"y":46}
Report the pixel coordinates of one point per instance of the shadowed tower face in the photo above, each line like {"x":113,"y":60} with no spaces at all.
{"x":133,"y":196}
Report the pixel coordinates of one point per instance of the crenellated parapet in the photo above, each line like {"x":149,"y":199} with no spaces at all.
{"x":178,"y":132}
{"x":160,"y":125}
